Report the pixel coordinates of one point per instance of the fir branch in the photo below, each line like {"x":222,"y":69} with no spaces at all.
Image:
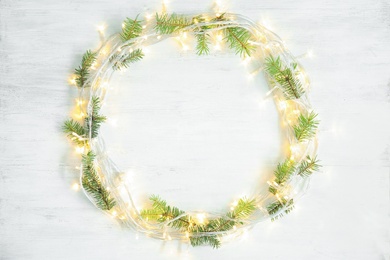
{"x":284,"y":171}
{"x":283,"y":75}
{"x":74,"y":130}
{"x":167,"y":24}
{"x":308,"y":166}
{"x":131,"y":29}
{"x":161,"y":212}
{"x":82,"y":71}
{"x":211,"y":240}
{"x":306,"y":127}
{"x":93,"y":185}
{"x":202,"y":45}
{"x":94,"y":120}
{"x":275,"y":208}
{"x":243,"y":210}
{"x":125,"y":60}
{"x":238,"y":39}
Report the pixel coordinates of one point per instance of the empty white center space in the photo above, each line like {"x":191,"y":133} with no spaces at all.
{"x":194,"y":130}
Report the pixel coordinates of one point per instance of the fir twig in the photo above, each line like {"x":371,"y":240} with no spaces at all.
{"x":131,"y":29}
{"x":308,"y":166}
{"x":93,"y":185}
{"x":167,"y":24}
{"x":275,"y":208}
{"x":282,"y":173}
{"x":238,"y":39}
{"x":94,"y":120}
{"x":291,"y":86}
{"x":74,"y":130}
{"x":199,"y":233}
{"x":125,"y":60}
{"x":82,"y":71}
{"x":306,"y":127}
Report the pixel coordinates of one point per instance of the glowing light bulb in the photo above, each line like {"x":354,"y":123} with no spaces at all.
{"x":158,"y":37}
{"x":101,"y":28}
{"x":219,"y":37}
{"x":217,"y":46}
{"x":282,"y":105}
{"x":310,"y":54}
{"x":144,"y":26}
{"x":114,"y":213}
{"x":75,"y":186}
{"x":185,"y":47}
{"x":148,"y":17}
{"x":201,"y":218}
{"x":79,"y":149}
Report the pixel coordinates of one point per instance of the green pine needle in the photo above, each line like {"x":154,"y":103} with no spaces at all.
{"x":125,"y":60}
{"x":74,"y":130}
{"x":308,"y":166}
{"x":93,"y":122}
{"x":202,"y":45}
{"x":199,"y":233}
{"x":283,"y":75}
{"x":306,"y":127}
{"x":131,"y":29}
{"x":276,"y":207}
{"x":93,"y":185}
{"x":82,"y":71}
{"x":210,"y":240}
{"x":161,"y":212}
{"x":238,"y":40}
{"x":167,"y":24}
{"x":284,"y":171}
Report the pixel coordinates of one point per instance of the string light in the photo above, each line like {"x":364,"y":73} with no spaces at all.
{"x":126,"y":210}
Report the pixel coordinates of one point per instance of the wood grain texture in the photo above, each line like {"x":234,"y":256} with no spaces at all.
{"x":178,"y":132}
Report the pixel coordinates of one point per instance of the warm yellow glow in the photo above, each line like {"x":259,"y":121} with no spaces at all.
{"x":158,"y":37}
{"x":201,"y":217}
{"x":217,"y":46}
{"x":185,"y":47}
{"x":310,"y":54}
{"x":219,"y":37}
{"x":143,"y":26}
{"x":148,"y":17}
{"x":75,"y":186}
{"x":79,"y":149}
{"x":114,"y":213}
{"x":187,"y":234}
{"x":72,"y":80}
{"x":282,"y":105}
{"x":101,"y":28}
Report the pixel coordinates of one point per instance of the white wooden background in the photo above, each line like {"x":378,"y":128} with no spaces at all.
{"x":182,"y":119}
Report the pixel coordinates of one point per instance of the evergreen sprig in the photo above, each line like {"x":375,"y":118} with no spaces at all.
{"x":167,"y":24}
{"x":93,"y":122}
{"x":161,"y":212}
{"x":282,"y":173}
{"x":82,"y":71}
{"x":284,"y":76}
{"x":131,"y":29}
{"x":308,"y":166}
{"x":200,"y":234}
{"x":125,"y":60}
{"x":306,"y":126}
{"x":74,"y":130}
{"x":276,"y":207}
{"x":239,"y":40}
{"x":93,"y":185}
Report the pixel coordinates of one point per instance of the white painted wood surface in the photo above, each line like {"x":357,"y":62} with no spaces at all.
{"x":175,"y":132}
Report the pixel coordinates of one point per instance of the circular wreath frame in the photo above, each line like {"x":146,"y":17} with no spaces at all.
{"x":106,"y":186}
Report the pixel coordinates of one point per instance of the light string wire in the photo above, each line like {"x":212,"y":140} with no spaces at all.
{"x":115,"y":180}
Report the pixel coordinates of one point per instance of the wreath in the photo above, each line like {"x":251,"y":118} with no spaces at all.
{"x":106,"y":186}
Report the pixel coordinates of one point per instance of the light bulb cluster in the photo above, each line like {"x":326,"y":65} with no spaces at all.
{"x":118,"y":183}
